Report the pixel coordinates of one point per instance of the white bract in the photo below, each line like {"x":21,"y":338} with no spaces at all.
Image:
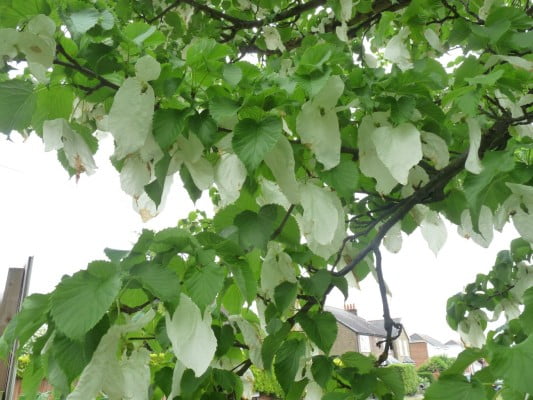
{"x":433,"y":40}
{"x":273,"y":39}
{"x":130,"y":118}
{"x":194,"y":342}
{"x":473,"y":163}
{"x":369,"y":162}
{"x":147,"y":68}
{"x":230,"y":174}
{"x":106,"y":373}
{"x":434,"y":231}
{"x":396,"y":50}
{"x":280,"y":160}
{"x":252,"y":338}
{"x":435,"y":148}
{"x":393,"y":239}
{"x":57,"y":134}
{"x":318,"y":126}
{"x":277,"y":268}
{"x":135,"y":174}
{"x":271,"y":194}
{"x":320,"y":217}
{"x":471,"y":330}
{"x":399,"y":149}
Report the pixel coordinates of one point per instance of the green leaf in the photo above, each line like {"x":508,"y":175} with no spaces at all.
{"x":83,"y":20}
{"x":317,"y":284}
{"x":245,"y":280}
{"x":252,"y":140}
{"x":272,"y":343}
{"x":321,"y":327}
{"x":456,"y":387}
{"x":364,"y":364}
{"x":510,"y":364}
{"x":51,"y":103}
{"x":288,"y":362}
{"x":80,"y":301}
{"x":189,"y":185}
{"x":254,"y":229}
{"x":285,"y":295}
{"x":224,"y":111}
{"x":344,"y":178}
{"x":322,"y":369}
{"x":24,"y":324}
{"x":393,"y":380}
{"x":168,"y":125}
{"x":17,"y":104}
{"x":232,"y":74}
{"x":160,"y":281}
{"x":204,"y":284}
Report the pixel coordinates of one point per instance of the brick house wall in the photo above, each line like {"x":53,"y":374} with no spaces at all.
{"x":346,"y":341}
{"x":419,"y":352}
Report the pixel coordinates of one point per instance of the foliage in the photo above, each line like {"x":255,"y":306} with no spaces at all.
{"x":436,"y":364}
{"x":266,"y":383}
{"x":426,"y":377}
{"x":409,"y":377}
{"x":320,"y":130}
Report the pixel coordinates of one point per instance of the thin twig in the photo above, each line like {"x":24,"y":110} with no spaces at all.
{"x":279,"y":229}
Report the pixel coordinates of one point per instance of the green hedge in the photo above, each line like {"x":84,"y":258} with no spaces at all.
{"x":436,"y":364}
{"x":409,"y":377}
{"x":426,"y":376}
{"x":266,"y":383}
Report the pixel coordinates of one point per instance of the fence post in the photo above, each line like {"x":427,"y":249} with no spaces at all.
{"x":16,"y":289}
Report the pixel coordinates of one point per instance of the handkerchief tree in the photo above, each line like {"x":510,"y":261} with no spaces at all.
{"x":322,"y":130}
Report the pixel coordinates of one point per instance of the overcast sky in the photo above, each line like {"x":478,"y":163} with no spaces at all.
{"x":65,"y":225}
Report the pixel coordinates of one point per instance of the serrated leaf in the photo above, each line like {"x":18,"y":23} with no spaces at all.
{"x":193,"y":343}
{"x":83,"y":20}
{"x":285,"y":295}
{"x":168,"y":125}
{"x":224,"y":111}
{"x":232,"y":74}
{"x":17,"y":104}
{"x":160,"y":281}
{"x":204,"y":284}
{"x":252,"y":338}
{"x":245,"y":280}
{"x":252,"y":140}
{"x":344,"y":178}
{"x":321,"y":327}
{"x":255,"y":229}
{"x":25,"y":323}
{"x":322,"y":369}
{"x":80,"y":301}
{"x":362,"y":363}
{"x":287,"y":362}
{"x":456,"y":387}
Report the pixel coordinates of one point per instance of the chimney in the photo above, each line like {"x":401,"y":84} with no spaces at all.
{"x":351,"y":308}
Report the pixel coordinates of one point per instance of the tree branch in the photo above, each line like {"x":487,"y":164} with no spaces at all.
{"x":495,"y":139}
{"x":74,"y":64}
{"x":279,"y":229}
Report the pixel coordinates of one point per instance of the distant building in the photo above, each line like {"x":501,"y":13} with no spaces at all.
{"x":357,"y":334}
{"x":423,"y":347}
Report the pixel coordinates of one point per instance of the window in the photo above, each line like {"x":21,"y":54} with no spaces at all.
{"x":364,"y":344}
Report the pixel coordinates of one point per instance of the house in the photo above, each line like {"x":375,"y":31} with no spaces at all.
{"x":423,"y":347}
{"x":357,"y":334}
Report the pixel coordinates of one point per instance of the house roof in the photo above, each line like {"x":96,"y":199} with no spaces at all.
{"x":453,"y":343}
{"x":379,"y":326}
{"x":355,"y":322}
{"x":419,"y":337}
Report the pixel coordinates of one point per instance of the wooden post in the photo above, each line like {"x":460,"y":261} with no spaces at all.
{"x":15,"y":290}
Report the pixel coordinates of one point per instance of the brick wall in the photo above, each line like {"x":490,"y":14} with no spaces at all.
{"x":346,"y":341}
{"x":419,"y":352}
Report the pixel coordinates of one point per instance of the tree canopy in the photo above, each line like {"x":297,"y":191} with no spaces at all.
{"x":323,"y":130}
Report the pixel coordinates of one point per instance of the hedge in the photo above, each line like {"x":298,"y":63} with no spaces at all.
{"x":266,"y":383}
{"x":409,"y":377}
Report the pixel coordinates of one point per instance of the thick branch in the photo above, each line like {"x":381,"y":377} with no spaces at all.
{"x":239,"y":23}
{"x":74,"y":64}
{"x":494,"y":139}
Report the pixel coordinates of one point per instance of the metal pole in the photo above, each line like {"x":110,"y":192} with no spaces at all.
{"x":12,"y":371}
